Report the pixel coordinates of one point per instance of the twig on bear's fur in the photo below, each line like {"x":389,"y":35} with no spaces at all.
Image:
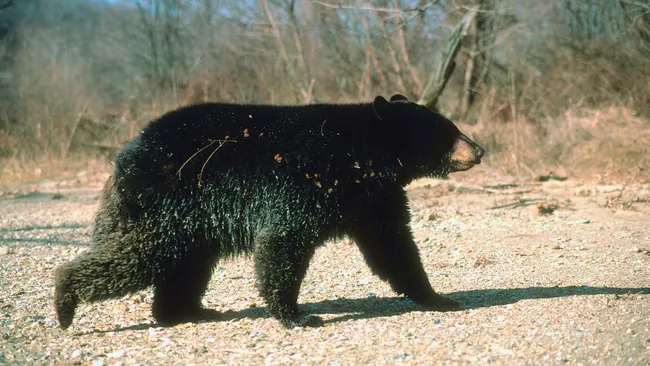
{"x":221,"y":143}
{"x":199,"y":151}
{"x":191,"y":157}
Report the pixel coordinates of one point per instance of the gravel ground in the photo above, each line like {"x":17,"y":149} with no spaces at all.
{"x":547,"y":273}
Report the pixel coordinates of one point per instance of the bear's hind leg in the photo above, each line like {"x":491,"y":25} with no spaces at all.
{"x":97,"y":275}
{"x":178,"y":292}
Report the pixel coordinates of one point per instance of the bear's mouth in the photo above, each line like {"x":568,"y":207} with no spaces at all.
{"x":465,"y":154}
{"x":460,"y":166}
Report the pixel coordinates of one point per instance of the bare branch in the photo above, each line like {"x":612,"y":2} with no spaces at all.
{"x":445,"y":64}
{"x":363,"y":7}
{"x":401,"y":39}
{"x":4,"y":4}
{"x":276,"y":31}
{"x":393,"y":56}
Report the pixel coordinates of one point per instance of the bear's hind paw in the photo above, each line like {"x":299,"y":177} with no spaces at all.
{"x":65,"y":313}
{"x":194,"y":316}
{"x":207,"y":314}
{"x":304,"y":321}
{"x":65,"y":302}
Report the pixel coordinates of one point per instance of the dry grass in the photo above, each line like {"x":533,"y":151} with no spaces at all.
{"x":16,"y":172}
{"x":605,"y":145}
{"x":551,"y":100}
{"x":584,"y":115}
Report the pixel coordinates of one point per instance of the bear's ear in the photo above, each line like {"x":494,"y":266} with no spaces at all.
{"x":399,"y":97}
{"x":382,"y":108}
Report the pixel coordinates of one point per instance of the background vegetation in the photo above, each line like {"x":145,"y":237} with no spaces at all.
{"x":543,"y":85}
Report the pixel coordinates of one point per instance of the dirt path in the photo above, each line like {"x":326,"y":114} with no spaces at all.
{"x":568,"y":287}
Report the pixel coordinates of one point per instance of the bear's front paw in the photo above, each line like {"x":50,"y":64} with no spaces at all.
{"x":439,"y":303}
{"x":304,"y":321}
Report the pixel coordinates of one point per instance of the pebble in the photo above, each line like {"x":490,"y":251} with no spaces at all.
{"x":49,"y":322}
{"x":116,"y":354}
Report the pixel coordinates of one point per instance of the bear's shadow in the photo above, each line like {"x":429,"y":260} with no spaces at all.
{"x":376,"y":307}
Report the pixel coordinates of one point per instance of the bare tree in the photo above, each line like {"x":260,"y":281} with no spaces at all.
{"x":588,"y":20}
{"x":8,"y":48}
{"x":165,"y":59}
{"x":479,"y":44}
{"x":445,"y":64}
{"x":119,"y":64}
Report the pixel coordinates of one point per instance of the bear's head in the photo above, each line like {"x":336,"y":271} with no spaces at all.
{"x":427,"y":143}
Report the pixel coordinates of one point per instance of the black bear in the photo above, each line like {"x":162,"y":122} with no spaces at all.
{"x":210,"y":181}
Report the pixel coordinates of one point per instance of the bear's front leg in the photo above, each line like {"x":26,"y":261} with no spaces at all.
{"x":281,"y":262}
{"x":383,"y":235}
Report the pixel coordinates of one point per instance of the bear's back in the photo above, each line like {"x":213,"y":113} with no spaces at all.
{"x":204,"y":144}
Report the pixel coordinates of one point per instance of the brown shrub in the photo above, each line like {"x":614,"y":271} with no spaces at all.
{"x":6,"y":145}
{"x":587,"y":113}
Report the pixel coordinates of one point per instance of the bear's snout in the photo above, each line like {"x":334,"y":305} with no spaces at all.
{"x":465,"y":154}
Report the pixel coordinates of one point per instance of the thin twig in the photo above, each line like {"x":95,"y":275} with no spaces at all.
{"x":515,"y":118}
{"x":242,"y":351}
{"x":221,"y":143}
{"x":376,"y":8}
{"x":365,"y":7}
{"x":74,"y":129}
{"x":520,"y":203}
{"x":308,"y":94}
{"x":193,"y":155}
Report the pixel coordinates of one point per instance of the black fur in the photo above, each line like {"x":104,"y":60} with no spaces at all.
{"x":215,"y":180}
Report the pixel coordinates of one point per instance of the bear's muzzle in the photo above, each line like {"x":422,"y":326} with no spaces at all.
{"x":465,"y":154}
